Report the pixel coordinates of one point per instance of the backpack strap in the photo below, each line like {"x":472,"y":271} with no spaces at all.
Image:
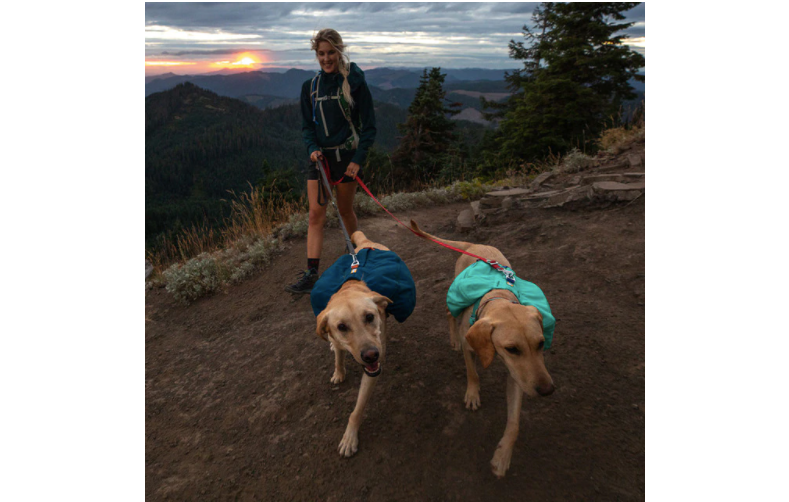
{"x":352,"y":143}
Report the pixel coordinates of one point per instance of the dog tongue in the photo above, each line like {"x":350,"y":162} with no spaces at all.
{"x":373,"y":367}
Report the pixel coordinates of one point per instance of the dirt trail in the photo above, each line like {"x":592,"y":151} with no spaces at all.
{"x":239,"y":403}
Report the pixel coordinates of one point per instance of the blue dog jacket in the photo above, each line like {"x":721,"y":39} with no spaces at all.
{"x":383,"y":272}
{"x":477,"y":280}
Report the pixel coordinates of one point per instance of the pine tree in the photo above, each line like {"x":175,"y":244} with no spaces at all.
{"x":575,"y":76}
{"x":427,"y":132}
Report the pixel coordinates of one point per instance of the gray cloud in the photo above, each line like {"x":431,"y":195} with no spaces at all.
{"x":215,"y":52}
{"x":374,"y":31}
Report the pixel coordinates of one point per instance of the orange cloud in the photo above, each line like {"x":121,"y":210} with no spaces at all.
{"x":245,"y":60}
{"x":167,"y":63}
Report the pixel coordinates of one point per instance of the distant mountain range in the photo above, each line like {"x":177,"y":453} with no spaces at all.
{"x":385,"y":78}
{"x":395,"y":86}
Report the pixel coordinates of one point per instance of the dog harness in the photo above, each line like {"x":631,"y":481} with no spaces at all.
{"x":383,"y":272}
{"x":477,"y":280}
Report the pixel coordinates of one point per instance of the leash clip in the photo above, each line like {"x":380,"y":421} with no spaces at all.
{"x":510,"y":276}
{"x":354,"y":264}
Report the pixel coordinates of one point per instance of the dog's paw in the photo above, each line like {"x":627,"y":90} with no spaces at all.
{"x":349,"y":443}
{"x":501,"y":461}
{"x":337,"y":377}
{"x":454,"y":344}
{"x":472,"y":399}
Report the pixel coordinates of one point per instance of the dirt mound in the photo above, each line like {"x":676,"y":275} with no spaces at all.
{"x":239,"y":403}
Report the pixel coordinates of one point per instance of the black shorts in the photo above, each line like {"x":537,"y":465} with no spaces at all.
{"x":336,"y":168}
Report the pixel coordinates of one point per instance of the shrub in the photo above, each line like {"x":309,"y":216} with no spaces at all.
{"x":574,"y":162}
{"x":195,"y":278}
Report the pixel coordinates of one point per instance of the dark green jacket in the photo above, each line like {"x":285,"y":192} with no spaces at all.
{"x":362,"y":114}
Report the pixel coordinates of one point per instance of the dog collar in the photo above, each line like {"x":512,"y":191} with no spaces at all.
{"x":479,"y":309}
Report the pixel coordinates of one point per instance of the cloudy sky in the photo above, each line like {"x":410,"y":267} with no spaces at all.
{"x":203,"y":37}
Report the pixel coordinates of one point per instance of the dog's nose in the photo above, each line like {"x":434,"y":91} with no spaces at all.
{"x":545,"y":390}
{"x":370,"y":355}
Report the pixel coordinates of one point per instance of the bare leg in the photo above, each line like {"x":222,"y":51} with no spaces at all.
{"x":317,"y":219}
{"x":345,"y":194}
{"x":350,"y":440}
{"x":472,"y":388}
{"x":453,"y":332}
{"x":339,"y":365}
{"x":383,"y":337}
{"x":501,"y":459}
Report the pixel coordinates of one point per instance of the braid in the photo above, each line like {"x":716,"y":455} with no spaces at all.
{"x":346,"y":87}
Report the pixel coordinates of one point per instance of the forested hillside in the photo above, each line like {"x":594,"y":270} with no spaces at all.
{"x":199,"y":146}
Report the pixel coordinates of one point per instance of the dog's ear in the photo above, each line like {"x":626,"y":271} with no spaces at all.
{"x":479,"y":337}
{"x":381,"y":301}
{"x":537,"y":315}
{"x":322,"y":328}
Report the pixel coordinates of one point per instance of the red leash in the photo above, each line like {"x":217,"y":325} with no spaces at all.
{"x":508,"y":273}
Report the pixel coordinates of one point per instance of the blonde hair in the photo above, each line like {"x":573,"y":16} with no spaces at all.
{"x":335,"y":40}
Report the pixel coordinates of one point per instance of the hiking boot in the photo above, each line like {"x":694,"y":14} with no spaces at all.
{"x":305,"y":283}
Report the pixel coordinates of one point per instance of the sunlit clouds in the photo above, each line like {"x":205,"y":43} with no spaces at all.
{"x":168,"y":33}
{"x":242,"y":61}
{"x":635,"y":42}
{"x":168,"y":63}
{"x":218,"y":36}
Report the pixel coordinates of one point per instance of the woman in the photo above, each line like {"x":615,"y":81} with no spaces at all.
{"x":338,"y":125}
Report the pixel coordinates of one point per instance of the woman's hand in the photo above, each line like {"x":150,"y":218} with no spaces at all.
{"x":353,"y":170}
{"x":314,"y":156}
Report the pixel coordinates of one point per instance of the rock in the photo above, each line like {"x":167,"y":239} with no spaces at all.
{"x":512,"y":192}
{"x":543,"y":195}
{"x":635,"y":160}
{"x":539,"y":180}
{"x":148,"y":269}
{"x":489,"y":202}
{"x":465,"y":222}
{"x":613,"y":186}
{"x":611,"y":190}
{"x":581,"y":193}
{"x":507,"y":203}
{"x":475,"y":208}
{"x":620,"y":177}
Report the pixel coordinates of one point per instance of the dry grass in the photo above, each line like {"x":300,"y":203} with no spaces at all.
{"x":615,"y":138}
{"x":253,"y":216}
{"x":256,"y":230}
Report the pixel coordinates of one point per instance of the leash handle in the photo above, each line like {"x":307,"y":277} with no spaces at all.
{"x":508,"y":273}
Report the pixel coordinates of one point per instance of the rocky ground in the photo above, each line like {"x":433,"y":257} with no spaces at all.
{"x":239,"y":404}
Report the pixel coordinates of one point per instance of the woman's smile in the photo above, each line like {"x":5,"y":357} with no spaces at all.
{"x":328,"y":57}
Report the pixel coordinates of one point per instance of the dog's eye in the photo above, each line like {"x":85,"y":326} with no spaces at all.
{"x":369,"y":318}
{"x":540,"y":345}
{"x":513,"y":350}
{"x":342,"y":327}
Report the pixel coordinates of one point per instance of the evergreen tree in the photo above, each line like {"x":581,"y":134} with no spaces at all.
{"x":427,"y":132}
{"x":575,"y":76}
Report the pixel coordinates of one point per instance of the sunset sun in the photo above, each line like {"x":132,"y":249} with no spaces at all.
{"x":240,"y":61}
